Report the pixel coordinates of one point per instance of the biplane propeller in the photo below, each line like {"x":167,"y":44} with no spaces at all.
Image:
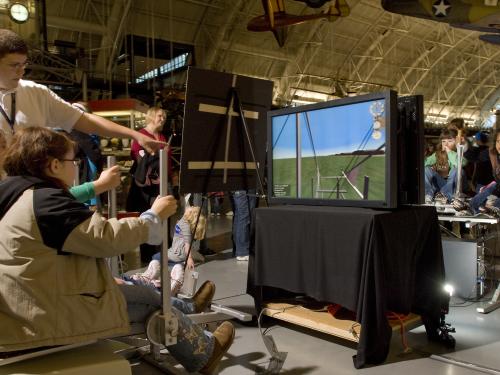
{"x":478,"y":15}
{"x":277,"y":20}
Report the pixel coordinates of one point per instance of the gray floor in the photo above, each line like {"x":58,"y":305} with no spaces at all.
{"x":309,"y":352}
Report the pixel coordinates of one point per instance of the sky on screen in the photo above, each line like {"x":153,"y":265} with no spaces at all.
{"x":334,"y":130}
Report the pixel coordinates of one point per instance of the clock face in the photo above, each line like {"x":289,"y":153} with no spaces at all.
{"x":19,"y":12}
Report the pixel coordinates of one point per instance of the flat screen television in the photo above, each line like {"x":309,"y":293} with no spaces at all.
{"x":410,"y":149}
{"x":339,"y":153}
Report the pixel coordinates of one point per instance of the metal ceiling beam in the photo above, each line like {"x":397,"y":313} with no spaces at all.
{"x":313,"y":49}
{"x":48,"y":68}
{"x":474,"y":92}
{"x":443,"y":86}
{"x":436,"y":61}
{"x":214,"y":58}
{"x":489,"y":104}
{"x":478,"y":68}
{"x":423,"y":56}
{"x":118,"y":13}
{"x":118,"y":37}
{"x":293,"y":67}
{"x":75,"y":25}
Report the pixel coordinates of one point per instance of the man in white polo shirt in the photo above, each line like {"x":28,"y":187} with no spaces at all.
{"x":25,"y":103}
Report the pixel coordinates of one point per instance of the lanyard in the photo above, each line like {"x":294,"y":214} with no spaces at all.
{"x":12,"y":119}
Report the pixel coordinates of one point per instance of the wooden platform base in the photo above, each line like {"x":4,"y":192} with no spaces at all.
{"x":97,"y":359}
{"x":323,"y":321}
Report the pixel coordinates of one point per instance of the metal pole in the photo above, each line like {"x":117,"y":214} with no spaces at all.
{"x":167,"y":316}
{"x":76,"y":181}
{"x":298,"y":139}
{"x":112,"y":213}
{"x":85,"y":88}
{"x":111,"y":193}
{"x":460,"y":156}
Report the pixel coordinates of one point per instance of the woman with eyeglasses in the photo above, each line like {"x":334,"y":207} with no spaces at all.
{"x":55,"y":287}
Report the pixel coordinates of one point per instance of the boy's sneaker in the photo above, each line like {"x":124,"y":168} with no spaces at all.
{"x":440,"y":198}
{"x":243,"y":258}
{"x":176,"y":278}
{"x":224,"y":336}
{"x":153,"y":270}
{"x":429,"y":199}
{"x":460,"y":204}
{"x":203,"y":296}
{"x":493,"y":211}
{"x":490,"y":201}
{"x":466,"y":212}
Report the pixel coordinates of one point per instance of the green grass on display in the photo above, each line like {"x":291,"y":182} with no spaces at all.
{"x":284,"y":174}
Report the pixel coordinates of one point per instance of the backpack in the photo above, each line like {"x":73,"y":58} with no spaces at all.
{"x":146,"y":170}
{"x":89,"y":152}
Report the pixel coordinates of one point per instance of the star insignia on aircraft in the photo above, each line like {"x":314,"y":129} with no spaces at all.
{"x":441,"y":8}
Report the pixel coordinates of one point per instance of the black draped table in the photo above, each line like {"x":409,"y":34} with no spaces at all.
{"x":369,"y":261}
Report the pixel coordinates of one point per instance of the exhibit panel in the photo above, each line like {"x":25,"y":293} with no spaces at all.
{"x":461,"y":266}
{"x":368,"y":261}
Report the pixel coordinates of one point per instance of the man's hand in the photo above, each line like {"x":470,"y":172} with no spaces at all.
{"x":149,"y":144}
{"x":190,"y":263}
{"x":92,"y":124}
{"x":164,"y":206}
{"x":109,"y":179}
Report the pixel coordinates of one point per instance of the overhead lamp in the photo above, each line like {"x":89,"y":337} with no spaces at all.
{"x":19,"y":13}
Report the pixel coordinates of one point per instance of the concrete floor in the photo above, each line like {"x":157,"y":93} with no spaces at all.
{"x":309,"y":352}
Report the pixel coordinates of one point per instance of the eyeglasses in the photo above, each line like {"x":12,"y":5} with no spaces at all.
{"x":76,"y":162}
{"x":17,"y":66}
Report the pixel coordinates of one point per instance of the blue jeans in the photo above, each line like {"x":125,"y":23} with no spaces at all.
{"x":434,"y":183}
{"x":243,"y":211}
{"x":481,"y":198}
{"x":194,"y":345}
{"x":216,"y":204}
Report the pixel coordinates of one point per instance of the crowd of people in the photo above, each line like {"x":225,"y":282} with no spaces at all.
{"x":479,"y":169}
{"x":55,"y":286}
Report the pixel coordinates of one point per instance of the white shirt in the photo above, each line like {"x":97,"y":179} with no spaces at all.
{"x":36,"y":105}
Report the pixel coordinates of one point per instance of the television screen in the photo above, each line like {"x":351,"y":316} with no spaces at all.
{"x":339,"y":152}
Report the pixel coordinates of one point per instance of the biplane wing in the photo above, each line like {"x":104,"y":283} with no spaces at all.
{"x":478,"y":15}
{"x":277,"y":20}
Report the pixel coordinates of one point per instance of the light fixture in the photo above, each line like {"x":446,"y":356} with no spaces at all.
{"x":448,"y":288}
{"x":19,"y":13}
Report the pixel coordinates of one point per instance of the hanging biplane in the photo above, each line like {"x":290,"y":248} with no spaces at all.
{"x":277,"y":20}
{"x":478,"y":15}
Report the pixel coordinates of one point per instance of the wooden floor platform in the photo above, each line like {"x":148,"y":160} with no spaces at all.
{"x":324,"y":322}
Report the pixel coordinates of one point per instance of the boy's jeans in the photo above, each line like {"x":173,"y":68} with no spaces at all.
{"x":243,"y":209}
{"x":194,"y":346}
